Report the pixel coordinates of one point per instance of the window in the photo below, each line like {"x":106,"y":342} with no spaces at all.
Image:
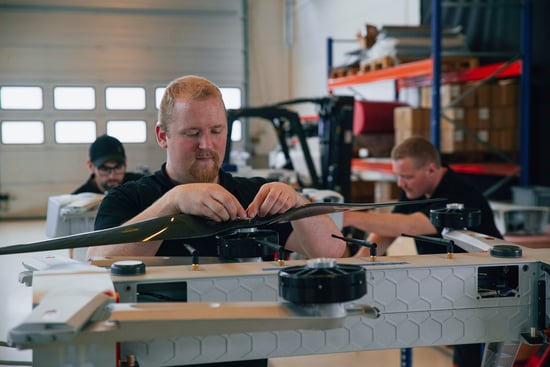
{"x":22,"y":132}
{"x":159,"y":92}
{"x":75,"y":131}
{"x":22,"y":98}
{"x":231,"y":97}
{"x":125,"y":98}
{"x":237,"y":131}
{"x":128,"y":131}
{"x":232,"y":100}
{"x":77,"y":109}
{"x":74,"y":98}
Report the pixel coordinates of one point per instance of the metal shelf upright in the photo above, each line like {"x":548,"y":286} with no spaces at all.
{"x":524,"y":73}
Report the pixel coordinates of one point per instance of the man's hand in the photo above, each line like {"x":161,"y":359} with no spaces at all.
{"x":206,"y":200}
{"x":274,"y":198}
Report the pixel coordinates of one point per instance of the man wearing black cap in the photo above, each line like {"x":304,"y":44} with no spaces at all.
{"x":107,"y":164}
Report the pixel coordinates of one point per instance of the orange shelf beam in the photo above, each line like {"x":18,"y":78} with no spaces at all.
{"x":418,"y":73}
{"x":493,"y":169}
{"x":407,"y":70}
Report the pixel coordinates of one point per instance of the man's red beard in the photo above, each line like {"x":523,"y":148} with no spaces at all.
{"x":205,"y":174}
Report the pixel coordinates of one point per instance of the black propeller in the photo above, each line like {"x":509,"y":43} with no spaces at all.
{"x":185,"y":226}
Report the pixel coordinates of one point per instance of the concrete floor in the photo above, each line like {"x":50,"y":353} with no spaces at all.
{"x":15,"y":305}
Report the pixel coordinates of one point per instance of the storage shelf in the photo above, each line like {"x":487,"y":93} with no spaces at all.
{"x":419,"y":73}
{"x":384,"y":166}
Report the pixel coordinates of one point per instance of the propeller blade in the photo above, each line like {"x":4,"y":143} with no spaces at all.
{"x":185,"y":226}
{"x":313,"y":209}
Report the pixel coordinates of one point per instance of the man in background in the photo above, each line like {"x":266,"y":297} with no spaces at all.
{"x":420,"y":175}
{"x":107,"y":164}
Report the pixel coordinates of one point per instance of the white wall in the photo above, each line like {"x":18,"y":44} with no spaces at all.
{"x":282,"y":71}
{"x":102,"y":43}
{"x":317,"y":20}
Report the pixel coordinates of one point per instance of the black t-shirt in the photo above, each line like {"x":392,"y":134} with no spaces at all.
{"x":89,"y":185}
{"x":455,"y":189}
{"x":126,"y":201}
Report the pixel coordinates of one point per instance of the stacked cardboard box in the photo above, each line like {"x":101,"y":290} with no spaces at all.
{"x":488,"y":113}
{"x":408,"y":121}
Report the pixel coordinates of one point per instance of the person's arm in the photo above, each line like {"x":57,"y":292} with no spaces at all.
{"x":312,"y":237}
{"x":206,"y":200}
{"x":384,"y":228}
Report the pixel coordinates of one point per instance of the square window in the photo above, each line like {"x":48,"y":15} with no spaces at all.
{"x":128,"y":131}
{"x":231,"y":98}
{"x":21,"y":98}
{"x":74,"y":98}
{"x":125,"y":98}
{"x":22,"y":132}
{"x":159,"y":92}
{"x":75,"y":132}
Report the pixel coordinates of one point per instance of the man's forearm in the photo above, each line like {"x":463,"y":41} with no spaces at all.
{"x":389,"y":224}
{"x":313,"y":237}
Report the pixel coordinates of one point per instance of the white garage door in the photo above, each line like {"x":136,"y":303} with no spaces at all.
{"x":53,"y":48}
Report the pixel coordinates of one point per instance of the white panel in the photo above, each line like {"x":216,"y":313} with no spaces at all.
{"x":115,"y":44}
{"x":145,"y":43}
{"x":318,"y":20}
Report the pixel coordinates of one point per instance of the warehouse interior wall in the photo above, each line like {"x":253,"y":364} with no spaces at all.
{"x":285,"y":58}
{"x":288,"y":50}
{"x":317,"y":20}
{"x":45,"y":44}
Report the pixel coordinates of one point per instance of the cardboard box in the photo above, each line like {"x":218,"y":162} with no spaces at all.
{"x":505,"y":93}
{"x":484,"y":118}
{"x":474,"y":145}
{"x":509,"y":140}
{"x":448,"y":93}
{"x":452,"y":141}
{"x":402,"y":134}
{"x":411,"y":118}
{"x":426,"y":97}
{"x":495,"y":138}
{"x":457,"y":114}
{"x":482,"y":94}
{"x":505,"y":117}
{"x":478,"y":118}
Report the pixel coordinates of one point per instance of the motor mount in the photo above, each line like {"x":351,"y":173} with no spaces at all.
{"x":322,"y":281}
{"x":455,"y":216}
{"x":248,"y":243}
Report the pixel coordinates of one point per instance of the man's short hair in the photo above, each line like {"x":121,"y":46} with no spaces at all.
{"x":419,"y":149}
{"x":191,"y":87}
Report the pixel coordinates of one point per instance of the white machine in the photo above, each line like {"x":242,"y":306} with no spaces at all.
{"x":167,"y":312}
{"x":176,"y":315}
{"x":70,"y":214}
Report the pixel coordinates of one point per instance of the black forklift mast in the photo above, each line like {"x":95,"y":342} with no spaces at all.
{"x":335,"y":130}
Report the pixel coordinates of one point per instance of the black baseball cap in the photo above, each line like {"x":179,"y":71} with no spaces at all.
{"x":106,"y":148}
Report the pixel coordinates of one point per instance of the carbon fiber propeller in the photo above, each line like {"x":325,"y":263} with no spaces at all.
{"x":185,"y":226}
